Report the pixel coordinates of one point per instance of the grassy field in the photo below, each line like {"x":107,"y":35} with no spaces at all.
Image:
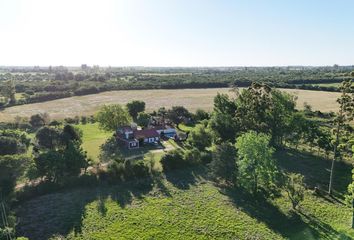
{"x":187,"y":205}
{"x":190,"y":98}
{"x":328,"y":84}
{"x":92,"y":139}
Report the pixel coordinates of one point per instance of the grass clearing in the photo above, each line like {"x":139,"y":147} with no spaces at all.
{"x":186,"y":205}
{"x":190,"y":98}
{"x":93,"y":138}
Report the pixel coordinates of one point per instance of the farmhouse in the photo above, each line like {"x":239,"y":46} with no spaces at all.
{"x":165,"y":131}
{"x":133,"y":138}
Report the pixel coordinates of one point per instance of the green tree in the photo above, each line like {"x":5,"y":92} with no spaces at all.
{"x":11,"y":168}
{"x":8,"y":91}
{"x":223,"y":104}
{"x":39,"y":120}
{"x":223,"y":165}
{"x":298,"y":126}
{"x":345,"y":114}
{"x":49,"y":138}
{"x":192,"y":156}
{"x":173,"y":160}
{"x":50,"y":164}
{"x":294,"y":186}
{"x":224,"y":127}
{"x":177,"y":114}
{"x":71,"y":134}
{"x":143,"y":119}
{"x":135,"y":107}
{"x":253,"y":109}
{"x":283,"y":107}
{"x":200,"y":138}
{"x":256,"y":166}
{"x":201,"y":115}
{"x":112,"y":116}
{"x":55,"y":164}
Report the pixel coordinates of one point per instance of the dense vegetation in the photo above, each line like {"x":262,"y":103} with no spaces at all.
{"x":48,"y":83}
{"x":253,"y":157}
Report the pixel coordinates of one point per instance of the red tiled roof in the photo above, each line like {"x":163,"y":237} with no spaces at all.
{"x":146,"y":133}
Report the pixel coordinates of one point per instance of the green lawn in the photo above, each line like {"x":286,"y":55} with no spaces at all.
{"x":93,"y":138}
{"x":186,"y":205}
{"x":186,"y":127}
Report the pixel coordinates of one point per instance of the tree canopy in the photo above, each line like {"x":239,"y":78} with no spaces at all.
{"x":110,"y":117}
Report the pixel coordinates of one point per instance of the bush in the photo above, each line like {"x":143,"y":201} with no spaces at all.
{"x":192,"y":156}
{"x":127,"y":170}
{"x":173,"y":160}
{"x":206,"y":157}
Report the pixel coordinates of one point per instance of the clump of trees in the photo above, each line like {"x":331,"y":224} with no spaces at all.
{"x":58,"y":153}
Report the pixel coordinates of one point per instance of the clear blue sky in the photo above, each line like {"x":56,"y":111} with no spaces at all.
{"x":177,"y":33}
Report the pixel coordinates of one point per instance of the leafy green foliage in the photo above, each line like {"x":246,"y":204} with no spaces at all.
{"x":55,"y":164}
{"x":11,"y":168}
{"x":223,"y":164}
{"x":256,"y":165}
{"x":294,"y":186}
{"x":201,"y":115}
{"x":48,"y":137}
{"x":39,"y":120}
{"x":177,"y":114}
{"x":173,"y":160}
{"x":135,"y":107}
{"x":143,"y":119}
{"x":13,"y":142}
{"x":200,"y":138}
{"x":112,"y":116}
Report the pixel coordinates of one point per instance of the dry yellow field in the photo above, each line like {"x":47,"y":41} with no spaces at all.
{"x":190,"y":98}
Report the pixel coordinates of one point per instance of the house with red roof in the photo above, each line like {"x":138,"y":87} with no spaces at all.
{"x":132,"y":138}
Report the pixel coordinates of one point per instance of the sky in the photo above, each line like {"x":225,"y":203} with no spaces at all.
{"x":178,"y":33}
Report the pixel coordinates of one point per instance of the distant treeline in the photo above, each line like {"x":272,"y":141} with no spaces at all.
{"x":44,"y":84}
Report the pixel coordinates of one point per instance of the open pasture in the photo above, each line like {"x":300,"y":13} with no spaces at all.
{"x":190,"y":98}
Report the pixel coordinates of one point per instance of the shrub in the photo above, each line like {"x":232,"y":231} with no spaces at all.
{"x":173,"y":160}
{"x":192,"y":156}
{"x":294,"y":186}
{"x":129,"y":169}
{"x":135,"y":169}
{"x":205,"y":157}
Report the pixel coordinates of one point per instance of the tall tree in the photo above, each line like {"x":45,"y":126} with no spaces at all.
{"x":177,"y":114}
{"x":143,"y":119}
{"x":344,"y":115}
{"x":135,"y":107}
{"x":223,"y":165}
{"x":256,"y":165}
{"x":112,"y":116}
{"x":8,"y":91}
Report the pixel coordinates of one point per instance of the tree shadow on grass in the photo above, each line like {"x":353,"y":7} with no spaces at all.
{"x":184,"y":178}
{"x":325,"y":229}
{"x":63,"y":212}
{"x":316,"y":171}
{"x":287,"y":226}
